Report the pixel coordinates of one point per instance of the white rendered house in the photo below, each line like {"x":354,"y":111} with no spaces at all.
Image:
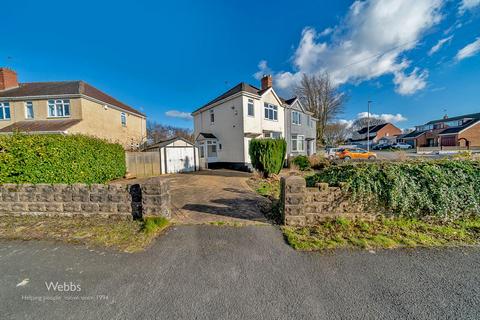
{"x":224,"y":127}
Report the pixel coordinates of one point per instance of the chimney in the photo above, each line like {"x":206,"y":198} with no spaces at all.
{"x":8,"y":79}
{"x":445,"y":117}
{"x":266,"y":81}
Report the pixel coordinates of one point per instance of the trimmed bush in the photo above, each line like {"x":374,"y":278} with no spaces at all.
{"x":59,"y":159}
{"x":268,"y":155}
{"x":445,"y":188}
{"x":302,"y":162}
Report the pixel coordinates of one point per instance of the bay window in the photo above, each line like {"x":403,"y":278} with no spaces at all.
{"x":298,"y":142}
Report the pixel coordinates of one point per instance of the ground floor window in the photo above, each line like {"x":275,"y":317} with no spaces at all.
{"x":211,"y":149}
{"x":298,"y":142}
{"x":272,"y":134}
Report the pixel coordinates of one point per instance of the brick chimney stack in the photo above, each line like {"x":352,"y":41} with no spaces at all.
{"x":267,"y":82}
{"x":8,"y":79}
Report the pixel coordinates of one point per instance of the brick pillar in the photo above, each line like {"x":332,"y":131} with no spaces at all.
{"x":293,"y":193}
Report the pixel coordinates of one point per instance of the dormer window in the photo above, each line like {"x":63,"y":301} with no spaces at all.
{"x":58,"y":108}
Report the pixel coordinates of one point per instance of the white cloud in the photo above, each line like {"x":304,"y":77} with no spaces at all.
{"x":409,"y":84}
{"x":347,"y":123}
{"x":469,"y":50}
{"x":179,"y":114}
{"x":263,"y":69}
{"x":369,"y":42}
{"x":326,"y":32}
{"x":468,"y":5}
{"x":439,"y":45}
{"x":384,"y":116}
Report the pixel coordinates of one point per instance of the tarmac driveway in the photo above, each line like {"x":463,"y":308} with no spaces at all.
{"x":214,"y":196}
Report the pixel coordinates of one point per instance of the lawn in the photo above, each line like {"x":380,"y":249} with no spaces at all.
{"x":384,"y":233}
{"x":122,"y":235}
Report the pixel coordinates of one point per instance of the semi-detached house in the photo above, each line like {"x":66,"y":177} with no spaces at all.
{"x":67,"y":107}
{"x":224,"y":127}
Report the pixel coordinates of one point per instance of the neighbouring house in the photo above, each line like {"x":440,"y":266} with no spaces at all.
{"x":377,"y":133}
{"x":462,"y":131}
{"x":67,"y":107}
{"x":224,"y":126}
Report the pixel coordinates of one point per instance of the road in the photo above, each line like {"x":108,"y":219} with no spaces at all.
{"x":207,"y":272}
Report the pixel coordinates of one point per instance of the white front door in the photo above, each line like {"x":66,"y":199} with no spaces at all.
{"x":180,"y":159}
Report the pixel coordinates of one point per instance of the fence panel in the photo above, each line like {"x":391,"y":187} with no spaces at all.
{"x":143,"y":164}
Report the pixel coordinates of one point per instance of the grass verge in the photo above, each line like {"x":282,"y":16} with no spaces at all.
{"x":122,"y":235}
{"x":383,"y":233}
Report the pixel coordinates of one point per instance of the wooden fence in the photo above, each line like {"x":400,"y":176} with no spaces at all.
{"x":143,"y":164}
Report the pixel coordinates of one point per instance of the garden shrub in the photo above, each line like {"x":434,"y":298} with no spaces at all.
{"x":267,"y":155}
{"x":302,"y":162}
{"x":59,"y":159}
{"x":445,"y":188}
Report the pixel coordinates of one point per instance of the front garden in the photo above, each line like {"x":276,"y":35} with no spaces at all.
{"x":412,"y":203}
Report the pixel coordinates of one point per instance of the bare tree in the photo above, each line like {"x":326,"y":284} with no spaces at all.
{"x":318,"y":94}
{"x":335,"y":133}
{"x":158,"y":132}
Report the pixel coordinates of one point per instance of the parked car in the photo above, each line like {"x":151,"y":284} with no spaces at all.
{"x":382,"y":146}
{"x":332,"y":153}
{"x":401,"y":145}
{"x":356,"y":153}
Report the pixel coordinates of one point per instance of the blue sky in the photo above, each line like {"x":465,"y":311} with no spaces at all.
{"x":175,"y":56}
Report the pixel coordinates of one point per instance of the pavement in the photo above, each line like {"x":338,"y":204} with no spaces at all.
{"x":208,"y":272}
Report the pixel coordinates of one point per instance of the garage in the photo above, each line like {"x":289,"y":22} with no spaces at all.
{"x":175,"y":155}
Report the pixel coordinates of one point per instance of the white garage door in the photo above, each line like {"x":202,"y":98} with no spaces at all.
{"x":180,"y":159}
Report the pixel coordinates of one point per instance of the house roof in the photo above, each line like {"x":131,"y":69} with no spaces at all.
{"x":33,"y":89}
{"x":413,"y":134}
{"x":373,"y":129}
{"x":471,"y":115}
{"x":242,"y":86}
{"x":166,"y":142}
{"x":454,"y":130}
{"x":245,"y":87}
{"x":206,"y":135}
{"x":41,"y":126}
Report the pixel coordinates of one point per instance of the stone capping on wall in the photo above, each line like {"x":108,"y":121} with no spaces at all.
{"x":127,"y":200}
{"x":302,"y":206}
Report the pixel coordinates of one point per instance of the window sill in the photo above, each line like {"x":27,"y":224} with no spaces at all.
{"x":270,"y":120}
{"x":64,"y":117}
{"x":10,"y":119}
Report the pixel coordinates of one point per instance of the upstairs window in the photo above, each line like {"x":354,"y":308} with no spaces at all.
{"x":251,"y":108}
{"x":123,"y":119}
{"x":58,"y":108}
{"x":296,"y":118}
{"x":271,"y":112}
{"x":29,"y":110}
{"x":212,"y":117}
{"x":4,"y":111}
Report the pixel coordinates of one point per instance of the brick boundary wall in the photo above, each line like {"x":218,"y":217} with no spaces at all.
{"x":124,"y":200}
{"x":302,"y":206}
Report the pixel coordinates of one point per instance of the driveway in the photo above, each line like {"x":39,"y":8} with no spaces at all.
{"x":208,"y":272}
{"x":214,"y":196}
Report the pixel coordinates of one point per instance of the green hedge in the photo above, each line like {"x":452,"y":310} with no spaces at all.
{"x":446,"y":188}
{"x":302,"y":162}
{"x":267,"y":155}
{"x":59,"y":159}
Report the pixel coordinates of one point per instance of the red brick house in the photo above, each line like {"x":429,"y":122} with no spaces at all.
{"x":461,"y":131}
{"x":377,"y":132}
